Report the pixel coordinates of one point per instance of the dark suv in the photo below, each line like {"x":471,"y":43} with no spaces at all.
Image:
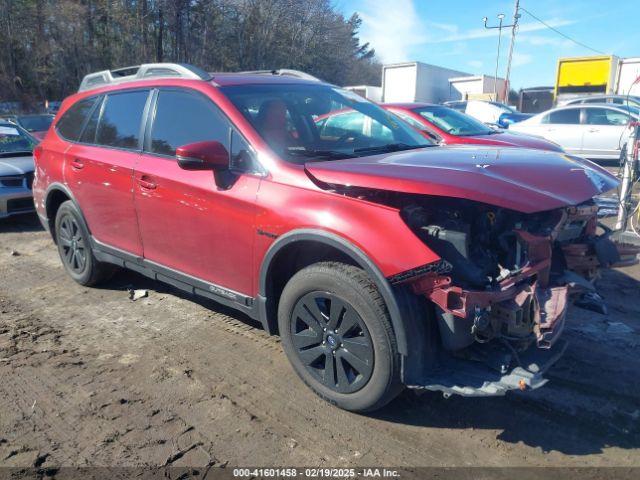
{"x":381,"y":260}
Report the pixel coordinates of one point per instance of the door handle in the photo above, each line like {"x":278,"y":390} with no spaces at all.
{"x":146,"y":184}
{"x":77,"y":164}
{"x":593,"y":130}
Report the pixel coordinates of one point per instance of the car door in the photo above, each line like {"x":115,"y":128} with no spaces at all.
{"x":563,"y":127}
{"x":99,"y":168}
{"x":605,"y":132}
{"x":189,"y":223}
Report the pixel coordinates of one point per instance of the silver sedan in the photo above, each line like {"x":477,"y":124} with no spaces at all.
{"x":16,"y":170}
{"x":595,"y":131}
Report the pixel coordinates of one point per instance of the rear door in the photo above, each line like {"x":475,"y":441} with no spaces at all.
{"x":605,"y":132}
{"x":99,"y":168}
{"x":563,"y":127}
{"x":189,"y":222}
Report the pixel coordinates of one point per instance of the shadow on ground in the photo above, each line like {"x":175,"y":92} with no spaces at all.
{"x":27,"y":222}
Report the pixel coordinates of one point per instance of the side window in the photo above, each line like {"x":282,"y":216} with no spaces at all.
{"x":89,"y":133}
{"x":71,"y":123}
{"x":570,"y":116}
{"x":182,"y":118}
{"x":121,"y":118}
{"x":605,"y":116}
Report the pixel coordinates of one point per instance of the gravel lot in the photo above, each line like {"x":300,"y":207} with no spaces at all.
{"x":91,"y":378}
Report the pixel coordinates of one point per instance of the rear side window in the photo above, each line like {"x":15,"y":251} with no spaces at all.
{"x":89,"y":133}
{"x":71,"y":123}
{"x":182,"y":118}
{"x":119,"y":124}
{"x":569,"y":116}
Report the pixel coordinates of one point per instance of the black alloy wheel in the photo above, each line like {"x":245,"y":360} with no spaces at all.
{"x":332,"y":341}
{"x":72,"y":243}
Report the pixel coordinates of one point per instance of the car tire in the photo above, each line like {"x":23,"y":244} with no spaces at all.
{"x":74,"y":247}
{"x":337,"y":333}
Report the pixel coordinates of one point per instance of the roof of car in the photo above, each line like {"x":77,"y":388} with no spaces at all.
{"x":224,"y":79}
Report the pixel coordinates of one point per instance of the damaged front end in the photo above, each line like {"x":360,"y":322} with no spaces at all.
{"x":502,"y":288}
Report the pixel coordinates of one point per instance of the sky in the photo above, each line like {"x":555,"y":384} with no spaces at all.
{"x":451,"y":33}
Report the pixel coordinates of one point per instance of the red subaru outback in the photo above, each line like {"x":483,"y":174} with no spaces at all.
{"x":380,"y":260}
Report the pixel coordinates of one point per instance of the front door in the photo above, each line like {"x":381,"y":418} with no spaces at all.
{"x":188,"y":222}
{"x":99,"y":169}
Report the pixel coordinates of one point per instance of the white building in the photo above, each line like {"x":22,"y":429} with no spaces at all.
{"x":418,"y":82}
{"x":369,"y":92}
{"x":478,"y":87}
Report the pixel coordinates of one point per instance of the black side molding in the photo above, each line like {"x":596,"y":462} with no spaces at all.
{"x":182,"y":281}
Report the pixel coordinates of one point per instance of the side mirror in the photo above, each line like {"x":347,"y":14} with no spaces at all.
{"x":203,"y":156}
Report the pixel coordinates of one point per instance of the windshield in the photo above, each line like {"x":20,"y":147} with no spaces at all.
{"x":305,"y":122}
{"x":14,"y":140}
{"x":452,"y":121}
{"x":35,"y":123}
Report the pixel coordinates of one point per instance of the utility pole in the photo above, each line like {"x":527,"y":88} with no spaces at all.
{"x":495,"y":76}
{"x":516,"y":17}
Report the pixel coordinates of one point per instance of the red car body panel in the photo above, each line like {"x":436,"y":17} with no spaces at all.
{"x":502,"y":177}
{"x":102,"y":179}
{"x":187,"y":224}
{"x":502,"y":138}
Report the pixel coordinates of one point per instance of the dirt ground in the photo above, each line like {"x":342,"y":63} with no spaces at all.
{"x":90,"y":378}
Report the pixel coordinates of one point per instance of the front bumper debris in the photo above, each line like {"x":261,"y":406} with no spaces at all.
{"x":472,"y":377}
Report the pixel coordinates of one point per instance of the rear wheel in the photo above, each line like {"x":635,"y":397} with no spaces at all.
{"x":74,"y":247}
{"x":337,"y":334}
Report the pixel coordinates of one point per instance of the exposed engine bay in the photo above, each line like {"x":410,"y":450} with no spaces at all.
{"x":511,"y":275}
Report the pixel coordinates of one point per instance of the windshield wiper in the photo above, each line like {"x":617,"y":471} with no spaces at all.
{"x":324,"y":154}
{"x":391,"y":147}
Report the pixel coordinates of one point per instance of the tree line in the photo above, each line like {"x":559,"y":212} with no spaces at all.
{"x":47,"y":46}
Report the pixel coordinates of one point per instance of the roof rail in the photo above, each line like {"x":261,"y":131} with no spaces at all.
{"x":141,"y":72}
{"x":285,"y":72}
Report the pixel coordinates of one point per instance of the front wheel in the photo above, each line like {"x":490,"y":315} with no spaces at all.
{"x":337,"y":334}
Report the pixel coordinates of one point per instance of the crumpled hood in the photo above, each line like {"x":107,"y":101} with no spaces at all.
{"x":519,"y":179}
{"x":16,"y":165}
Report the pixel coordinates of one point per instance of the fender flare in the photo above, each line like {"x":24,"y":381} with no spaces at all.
{"x":57,"y":186}
{"x":349,"y":249}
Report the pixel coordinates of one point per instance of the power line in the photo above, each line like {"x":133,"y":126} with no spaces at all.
{"x":562,"y":34}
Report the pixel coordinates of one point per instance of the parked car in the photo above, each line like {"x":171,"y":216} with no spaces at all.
{"x":619,"y":100}
{"x":380,"y":261}
{"x":596,"y":131}
{"x":450,"y":127}
{"x":36,"y":124}
{"x":494,"y":113}
{"x":16,"y":170}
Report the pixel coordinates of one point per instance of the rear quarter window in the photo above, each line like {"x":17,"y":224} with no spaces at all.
{"x":72,"y":122}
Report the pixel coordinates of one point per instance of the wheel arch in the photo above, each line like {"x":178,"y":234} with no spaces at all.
{"x":339,"y":247}
{"x":56,"y":195}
